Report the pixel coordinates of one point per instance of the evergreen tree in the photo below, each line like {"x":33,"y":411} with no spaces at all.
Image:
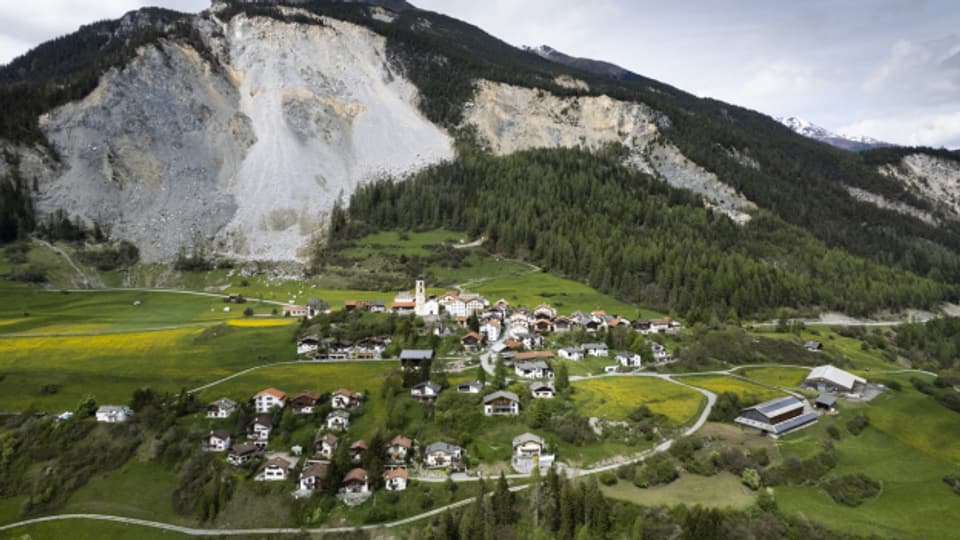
{"x":562,"y":379}
{"x":500,"y":374}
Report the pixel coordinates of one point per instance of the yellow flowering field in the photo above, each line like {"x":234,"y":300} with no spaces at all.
{"x":723,"y":383}
{"x":261,"y":323}
{"x":614,"y":398}
{"x":776,"y":376}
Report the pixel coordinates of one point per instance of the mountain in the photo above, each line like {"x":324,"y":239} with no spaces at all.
{"x":854,"y":143}
{"x":249,"y":131}
{"x":597,"y":67}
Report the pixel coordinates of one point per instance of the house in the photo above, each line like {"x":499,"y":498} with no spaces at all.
{"x":536,"y":369}
{"x":305,"y":402}
{"x":660,"y":354}
{"x":221,"y":408}
{"x":356,"y":305}
{"x":114,"y":414}
{"x":641,"y":326}
{"x":340,"y":349}
{"x":543,"y":325}
{"x":399,"y":448}
{"x":396,"y":479}
{"x":595,"y":349}
{"x":528,"y":356}
{"x":441,"y":455}
{"x":425,"y":391}
{"x":325,"y":446}
{"x":529,"y":452}
{"x":403,"y":306}
{"x":308,"y":344}
{"x":315,"y":306}
{"x":542,"y":390}
{"x":531,"y":340}
{"x":628,"y":359}
{"x":357,"y":450}
{"x":470,"y":387}
{"x":501,"y":403}
{"x":491,"y":329}
{"x":813,"y":346}
{"x":371,"y":348}
{"x":265,"y":400}
{"x":378,"y":306}
{"x":415,"y":358}
{"x":777,"y":416}
{"x":570,"y":353}
{"x":260,"y":428}
{"x":218,"y":440}
{"x":345,"y":399}
{"x":826,"y":402}
{"x":544,"y":311}
{"x":275,"y":469}
{"x":242,"y":453}
{"x":472,"y":341}
{"x":563,"y":324}
{"x":313,"y":475}
{"x":356,"y":481}
{"x":831,"y":379}
{"x":291,"y":310}
{"x":338,"y":420}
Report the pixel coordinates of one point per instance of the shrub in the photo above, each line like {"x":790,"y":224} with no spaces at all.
{"x":833,"y":432}
{"x":248,"y":312}
{"x":608,"y":478}
{"x":49,"y":389}
{"x":28,"y":274}
{"x":950,"y":400}
{"x":953,"y":480}
{"x":751,"y":479}
{"x":922,"y":385}
{"x":857,"y":424}
{"x":659,"y":469}
{"x":851,"y":489}
{"x":893,"y":385}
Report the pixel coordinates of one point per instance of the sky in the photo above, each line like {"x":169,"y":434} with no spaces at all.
{"x":889,"y":69}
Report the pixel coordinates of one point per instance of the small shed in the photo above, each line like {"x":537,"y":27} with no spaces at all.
{"x":826,"y":402}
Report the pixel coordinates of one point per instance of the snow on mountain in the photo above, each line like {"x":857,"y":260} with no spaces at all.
{"x":854,"y":143}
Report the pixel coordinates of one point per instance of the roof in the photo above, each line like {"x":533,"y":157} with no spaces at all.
{"x":532,"y":355}
{"x":316,"y":468}
{"x":399,"y":472}
{"x":224,"y":403}
{"x":836,"y":376}
{"x":243,"y":448}
{"x":586,"y":346}
{"x":277,"y":461}
{"x":536,"y":364}
{"x":473,"y":335}
{"x":404,"y":304}
{"x":827,"y":399}
{"x":491,"y":322}
{"x":527,"y":437}
{"x":571,"y":349}
{"x":778,"y":406}
{"x":627,"y":354}
{"x":416,"y":354}
{"x":361,"y":444}
{"x":500,"y":394}
{"x":400,"y":440}
{"x":339,"y":412}
{"x":308,"y":394}
{"x":470,"y":384}
{"x":271,"y":392}
{"x":431,"y":385}
{"x":542,"y":386}
{"x":263,"y":420}
{"x":441,"y":446}
{"x":222,"y":434}
{"x":292,"y":307}
{"x":356,"y":475}
{"x":795,"y":422}
{"x":114,"y":409}
{"x":343,"y":392}
{"x":329,"y":439}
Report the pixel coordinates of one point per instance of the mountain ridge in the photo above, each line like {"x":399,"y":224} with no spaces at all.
{"x":854,"y":143}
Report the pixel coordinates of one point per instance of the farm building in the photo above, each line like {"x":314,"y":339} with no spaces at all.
{"x":777,"y":416}
{"x":827,"y":402}
{"x":114,"y":414}
{"x":414,"y":358}
{"x":832,"y":379}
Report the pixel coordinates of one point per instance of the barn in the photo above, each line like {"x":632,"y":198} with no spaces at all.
{"x":778,"y":416}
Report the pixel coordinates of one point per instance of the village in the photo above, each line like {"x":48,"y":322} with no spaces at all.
{"x":518,"y":341}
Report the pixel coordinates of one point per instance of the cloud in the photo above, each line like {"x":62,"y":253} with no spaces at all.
{"x":930,"y":69}
{"x":912,"y":128}
{"x":779,"y":78}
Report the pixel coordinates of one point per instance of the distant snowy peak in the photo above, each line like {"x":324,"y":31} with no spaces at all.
{"x":597,"y":67}
{"x":854,"y":143}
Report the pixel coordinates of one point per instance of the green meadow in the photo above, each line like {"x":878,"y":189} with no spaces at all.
{"x":614,"y":397}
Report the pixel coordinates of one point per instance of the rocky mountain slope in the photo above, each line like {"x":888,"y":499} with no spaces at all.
{"x":935,"y":177}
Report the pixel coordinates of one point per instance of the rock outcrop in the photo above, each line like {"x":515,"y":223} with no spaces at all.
{"x":934,"y":178}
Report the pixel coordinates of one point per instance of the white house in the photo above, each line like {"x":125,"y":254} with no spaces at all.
{"x":396,"y":479}
{"x":356,"y":481}
{"x":221,"y":408}
{"x":544,"y":311}
{"x":114,"y":414}
{"x":423,"y":306}
{"x":242,"y":453}
{"x":491,"y":329}
{"x":536,"y":369}
{"x":265,"y":400}
{"x":276,"y":468}
{"x":530,"y":451}
{"x":596,"y":349}
{"x":344,"y":399}
{"x":313,"y":475}
{"x":326,"y":446}
{"x":291,"y":310}
{"x":542,"y":390}
{"x":501,"y":403}
{"x":531,"y":340}
{"x":218,"y":441}
{"x":440,"y":455}
{"x":425,"y":391}
{"x":470,"y":387}
{"x":308,"y":344}
{"x":399,"y":448}
{"x":628,"y":359}
{"x":338,"y":420}
{"x":660,"y":353}
{"x":570,"y":353}
{"x":260,"y":429}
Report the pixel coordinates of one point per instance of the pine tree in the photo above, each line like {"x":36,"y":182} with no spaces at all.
{"x":562,"y":378}
{"x":500,"y":375}
{"x":503,"y":502}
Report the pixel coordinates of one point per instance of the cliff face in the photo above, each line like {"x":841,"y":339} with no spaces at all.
{"x":245,"y":157}
{"x":935,"y":178}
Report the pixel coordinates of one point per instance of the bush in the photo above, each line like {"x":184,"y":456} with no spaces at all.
{"x":248,"y":312}
{"x":28,"y":274}
{"x":950,"y":400}
{"x":893,"y":385}
{"x":833,"y":432}
{"x":851,"y":489}
{"x":858,"y":424}
{"x":659,"y":469}
{"x":751,"y":479}
{"x":49,"y":389}
{"x":922,"y":385}
{"x":608,"y":478}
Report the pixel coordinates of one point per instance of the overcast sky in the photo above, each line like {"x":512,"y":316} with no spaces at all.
{"x":884,"y":68}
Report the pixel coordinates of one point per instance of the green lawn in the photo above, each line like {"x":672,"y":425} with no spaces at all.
{"x":137,"y":489}
{"x":723,"y":383}
{"x":786,"y":377}
{"x":87,"y":529}
{"x":613,"y":398}
{"x":412,"y":243}
{"x":723,"y":490}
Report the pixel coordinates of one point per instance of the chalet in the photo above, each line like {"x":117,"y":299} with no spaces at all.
{"x":345,"y":399}
{"x":325,"y":446}
{"x":543,"y":325}
{"x":533,"y":369}
{"x":596,"y":349}
{"x":491,"y":329}
{"x":529,"y":452}
{"x":542,"y":390}
{"x":305,"y":402}
{"x":396,"y":479}
{"x":242,"y":453}
{"x":531,"y":340}
{"x":778,"y":416}
{"x":502,"y":304}
{"x":570,"y":353}
{"x":291,"y":310}
{"x":356,"y":481}
{"x":472,"y":341}
{"x":813,"y":346}
{"x":260,"y":429}
{"x":338,"y":420}
{"x":660,"y":354}
{"x":544,"y":311}
{"x":563,"y":324}
{"x":441,"y":455}
{"x":340,"y":349}
{"x":628,"y":359}
{"x":403,"y":306}
{"x":832,"y":379}
{"x":221,"y":408}
{"x":399,"y":448}
{"x":308,"y":344}
{"x":313,"y":475}
{"x":356,"y":305}
{"x":266,"y":400}
{"x":358,"y":450}
{"x":527,"y":356}
{"x":594,"y":324}
{"x":315,"y":306}
{"x":641,"y":326}
{"x":664,"y":325}
{"x":415,"y":358}
{"x":470,"y":387}
{"x":463,"y":322}
{"x":378,"y":306}
{"x":370,"y":348}
{"x":276,"y":469}
{"x":501,"y":403}
{"x":114,"y":414}
{"x":826,"y":402}
{"x":218,"y":440}
{"x":615,"y":321}
{"x":425,"y":391}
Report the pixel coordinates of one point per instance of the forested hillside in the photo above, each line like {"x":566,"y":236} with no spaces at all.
{"x":588,"y":216}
